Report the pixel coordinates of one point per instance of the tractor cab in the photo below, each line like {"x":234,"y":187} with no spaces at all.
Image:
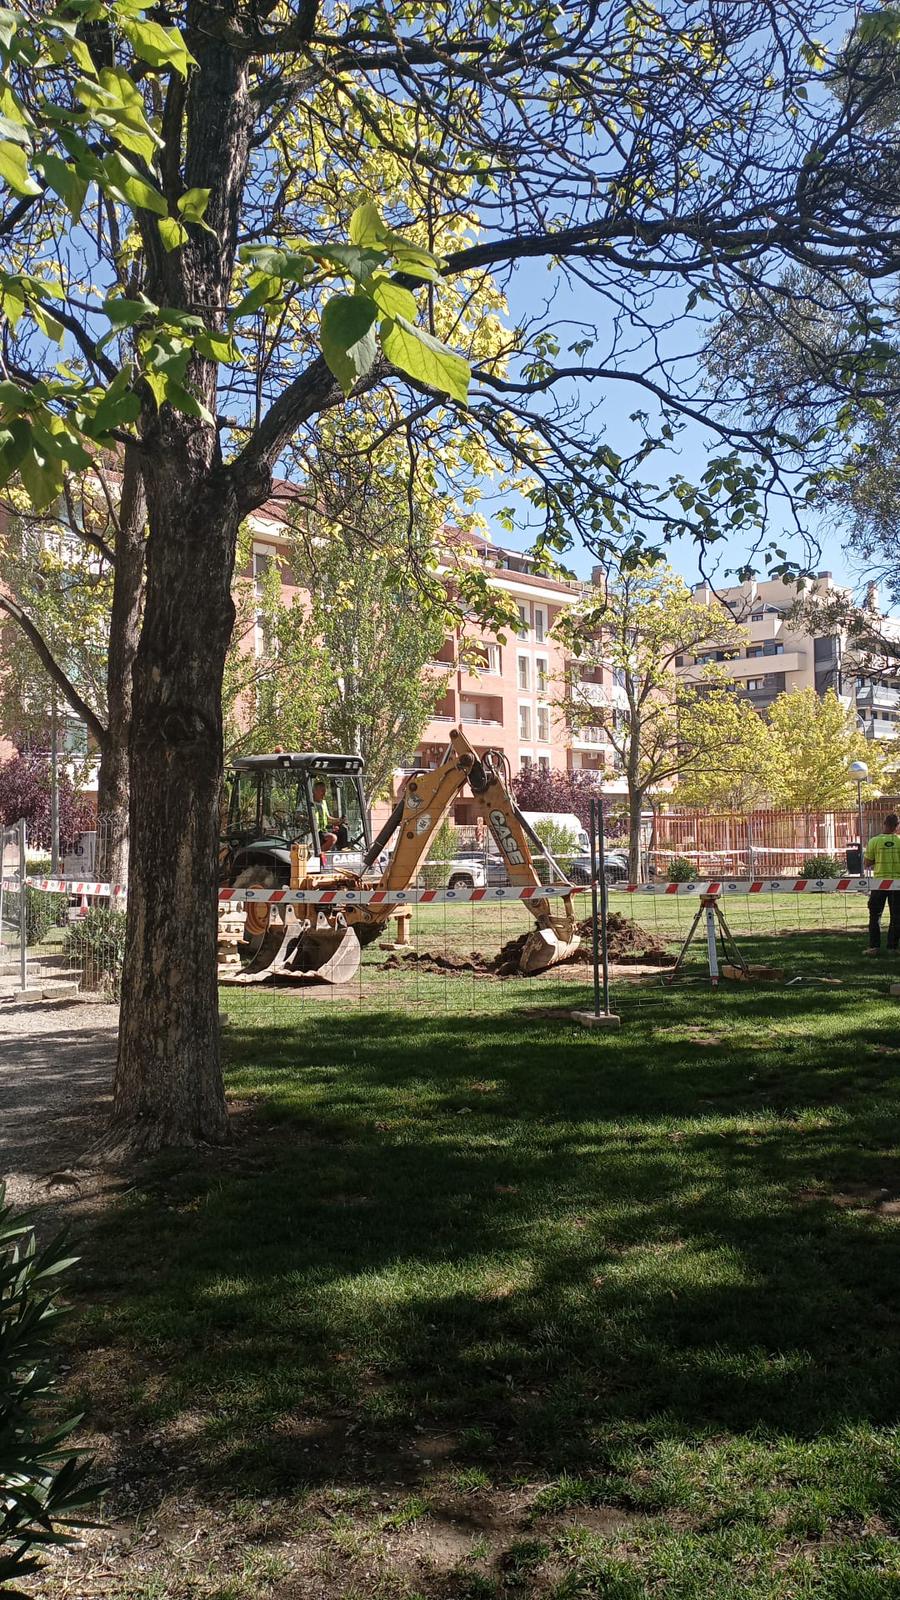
{"x":313,"y":800}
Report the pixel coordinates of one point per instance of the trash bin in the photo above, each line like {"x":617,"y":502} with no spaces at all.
{"x":854,"y":859}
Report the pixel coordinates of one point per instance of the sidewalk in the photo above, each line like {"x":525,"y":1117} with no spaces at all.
{"x":56,"y":1066}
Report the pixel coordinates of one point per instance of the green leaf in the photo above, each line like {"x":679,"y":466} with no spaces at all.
{"x":117,"y":99}
{"x":172,"y":233}
{"x":13,"y":400}
{"x":15,"y":131}
{"x":42,"y":476}
{"x":125,"y":183}
{"x":15,"y":441}
{"x":366,"y":226}
{"x":14,"y":169}
{"x":64,"y":181}
{"x":216,"y":346}
{"x":114,"y":411}
{"x":192,"y":205}
{"x":425,"y":358}
{"x":348,"y":337}
{"x":266,"y":289}
{"x":394,"y":300}
{"x":182,"y":400}
{"x":124,"y":313}
{"x":162,"y":47}
{"x":48,"y":325}
{"x":360,"y":263}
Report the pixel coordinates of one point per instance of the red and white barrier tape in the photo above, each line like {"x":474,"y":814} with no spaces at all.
{"x":767,"y":886}
{"x":389,"y":897}
{"x":68,"y":886}
{"x":355,"y":897}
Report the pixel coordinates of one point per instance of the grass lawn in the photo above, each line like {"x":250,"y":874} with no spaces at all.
{"x":480,"y":1305}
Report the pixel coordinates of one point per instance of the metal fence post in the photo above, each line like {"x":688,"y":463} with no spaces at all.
{"x":23,"y":910}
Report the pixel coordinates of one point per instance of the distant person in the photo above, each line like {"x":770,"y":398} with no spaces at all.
{"x":883,"y":856}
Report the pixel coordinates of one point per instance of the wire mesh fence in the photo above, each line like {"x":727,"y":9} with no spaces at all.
{"x":763,"y":843}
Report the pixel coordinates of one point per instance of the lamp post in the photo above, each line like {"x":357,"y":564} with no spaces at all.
{"x":860,"y":772}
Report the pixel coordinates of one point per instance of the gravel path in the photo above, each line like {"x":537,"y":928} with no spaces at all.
{"x":56,"y":1062}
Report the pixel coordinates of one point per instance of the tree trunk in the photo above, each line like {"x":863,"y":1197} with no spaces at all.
{"x":124,"y":627}
{"x":168,"y":1088}
{"x":635,"y":806}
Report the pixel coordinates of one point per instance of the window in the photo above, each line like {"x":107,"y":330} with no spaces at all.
{"x":757,"y":616}
{"x":679,"y":661}
{"x":544,"y":763}
{"x":524,"y":722}
{"x":619,"y":677}
{"x":540,"y":672}
{"x":523,"y":622}
{"x":540,"y":618}
{"x":543,"y":724}
{"x":524,"y":673}
{"x":524,"y":762}
{"x":755,"y":650}
{"x":493,"y":658}
{"x":757,"y":683}
{"x":261,"y":564}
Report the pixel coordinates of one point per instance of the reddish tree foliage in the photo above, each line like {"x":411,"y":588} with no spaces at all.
{"x":537,"y":789}
{"x":25,"y":792}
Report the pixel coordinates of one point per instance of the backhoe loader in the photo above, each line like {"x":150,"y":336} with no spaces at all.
{"x":276,"y":838}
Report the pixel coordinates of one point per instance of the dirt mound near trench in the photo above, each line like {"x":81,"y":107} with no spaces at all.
{"x":626,"y":942}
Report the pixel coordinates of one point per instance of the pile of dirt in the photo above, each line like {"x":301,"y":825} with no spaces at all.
{"x":627,"y":942}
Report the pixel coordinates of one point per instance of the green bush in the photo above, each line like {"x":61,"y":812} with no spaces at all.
{"x":822,"y":867}
{"x":42,"y":911}
{"x":42,"y":1485}
{"x":96,"y":943}
{"x":680,"y":870}
{"x":444,"y":848}
{"x":562,"y":843}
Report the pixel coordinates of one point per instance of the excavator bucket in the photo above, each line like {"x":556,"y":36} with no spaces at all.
{"x":553,"y":940}
{"x":304,"y":954}
{"x":544,"y":948}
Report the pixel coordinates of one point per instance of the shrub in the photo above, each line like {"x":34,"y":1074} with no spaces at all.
{"x":42,"y":1485}
{"x":42,"y":911}
{"x":97,"y":943}
{"x":822,"y":867}
{"x":444,"y":848}
{"x":680,"y":870}
{"x":560,"y":841}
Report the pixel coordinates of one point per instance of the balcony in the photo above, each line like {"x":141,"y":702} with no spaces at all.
{"x":597,"y":694}
{"x":879,"y":696}
{"x":481,"y":722}
{"x":882,"y":730}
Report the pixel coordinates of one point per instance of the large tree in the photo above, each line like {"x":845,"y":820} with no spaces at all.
{"x":684,"y":146}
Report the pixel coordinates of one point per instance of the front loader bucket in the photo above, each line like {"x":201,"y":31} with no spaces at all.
{"x":323,"y":954}
{"x":543,"y":948}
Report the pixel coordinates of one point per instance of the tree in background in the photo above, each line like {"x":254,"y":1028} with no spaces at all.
{"x":660,"y":726}
{"x":71,"y":584}
{"x":747,"y":772}
{"x":543,"y":789}
{"x":25,"y":793}
{"x":816,"y":738}
{"x":626,"y":145}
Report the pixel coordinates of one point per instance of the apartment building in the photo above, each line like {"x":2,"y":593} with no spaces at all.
{"x":780,"y":654}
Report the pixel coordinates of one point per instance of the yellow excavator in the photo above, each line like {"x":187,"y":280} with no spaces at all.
{"x":279,"y":834}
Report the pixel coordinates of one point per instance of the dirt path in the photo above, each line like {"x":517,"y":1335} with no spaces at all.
{"x":56,"y":1061}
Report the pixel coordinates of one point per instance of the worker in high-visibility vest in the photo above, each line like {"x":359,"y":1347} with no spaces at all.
{"x":883,"y":856}
{"x":332,"y":830}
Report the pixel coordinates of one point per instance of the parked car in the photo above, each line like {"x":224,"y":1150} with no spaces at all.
{"x":615,"y":867}
{"x":476,"y":868}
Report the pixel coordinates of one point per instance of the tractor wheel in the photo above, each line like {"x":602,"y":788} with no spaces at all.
{"x":256,"y":916}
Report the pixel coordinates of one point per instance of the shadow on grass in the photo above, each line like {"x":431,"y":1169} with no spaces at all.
{"x":548,"y":1247}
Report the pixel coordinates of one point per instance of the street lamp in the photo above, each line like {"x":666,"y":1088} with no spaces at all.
{"x":860,"y":772}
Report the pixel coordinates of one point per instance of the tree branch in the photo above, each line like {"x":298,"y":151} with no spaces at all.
{"x":48,"y":661}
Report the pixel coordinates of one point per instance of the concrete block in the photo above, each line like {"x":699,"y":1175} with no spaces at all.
{"x":894,"y":989}
{"x":60,"y":991}
{"x":589,"y":1019}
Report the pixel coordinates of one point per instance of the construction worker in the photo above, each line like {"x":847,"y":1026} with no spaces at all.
{"x":332,"y":830}
{"x":883,"y":856}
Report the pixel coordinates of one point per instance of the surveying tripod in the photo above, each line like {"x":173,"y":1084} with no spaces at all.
{"x":710,"y":909}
